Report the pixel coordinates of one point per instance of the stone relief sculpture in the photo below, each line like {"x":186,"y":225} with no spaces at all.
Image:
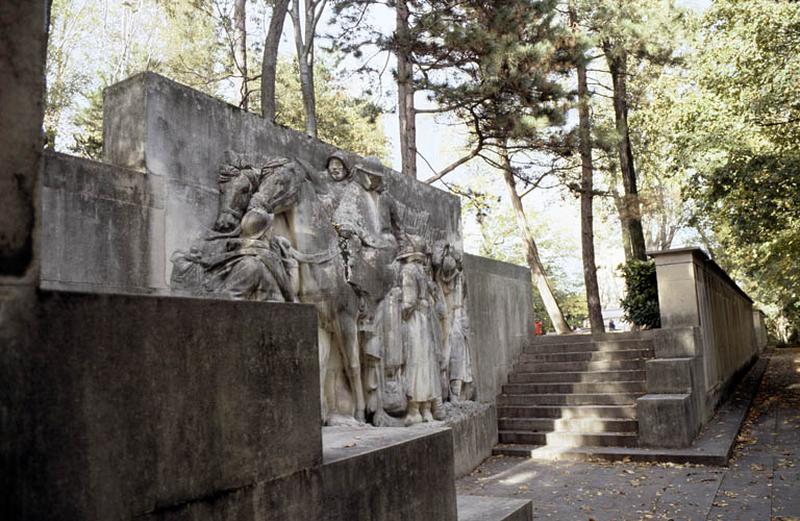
{"x":393,"y":327}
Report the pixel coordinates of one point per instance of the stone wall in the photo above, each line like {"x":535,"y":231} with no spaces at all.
{"x":102,"y":227}
{"x":23,"y":47}
{"x":182,"y":136}
{"x":706,"y":342}
{"x":501,"y":320}
{"x":130,"y":406}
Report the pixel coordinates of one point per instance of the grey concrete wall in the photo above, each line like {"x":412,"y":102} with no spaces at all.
{"x":707,"y":341}
{"x":127,"y":406}
{"x":389,"y":474}
{"x":474,"y":436}
{"x":23,"y":49}
{"x":102,"y":227}
{"x":501,"y":320}
{"x":180,"y":135}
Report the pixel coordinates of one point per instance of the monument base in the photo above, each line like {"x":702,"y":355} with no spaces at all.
{"x":388,"y":474}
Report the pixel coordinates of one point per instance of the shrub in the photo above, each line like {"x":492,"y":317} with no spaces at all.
{"x":641,"y":294}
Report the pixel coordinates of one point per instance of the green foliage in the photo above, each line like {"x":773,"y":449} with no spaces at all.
{"x":641,"y":294}
{"x":93,"y":46}
{"x":348,"y":122}
{"x":738,"y":130}
{"x":88,"y":141}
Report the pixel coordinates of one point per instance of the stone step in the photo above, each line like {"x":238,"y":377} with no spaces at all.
{"x":636,"y":364}
{"x":610,"y":345}
{"x":566,"y":339}
{"x":568,"y":412}
{"x":569,"y":439}
{"x":571,"y":425}
{"x":588,"y":356}
{"x":580,"y":388}
{"x":578,"y":377}
{"x":568,"y":399}
{"x":483,"y":508}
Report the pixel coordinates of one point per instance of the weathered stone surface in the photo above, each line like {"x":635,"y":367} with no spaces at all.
{"x":667,"y":420}
{"x":501,"y":319}
{"x":23,"y":48}
{"x":127,"y":406}
{"x":671,"y":375}
{"x":677,"y":342}
{"x":474,"y":435}
{"x":707,"y":343}
{"x":481,"y":508}
{"x":101,"y":227}
{"x":165,"y":129}
{"x":391,"y":474}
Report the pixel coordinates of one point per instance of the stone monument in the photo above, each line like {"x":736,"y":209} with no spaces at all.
{"x":393,"y":333}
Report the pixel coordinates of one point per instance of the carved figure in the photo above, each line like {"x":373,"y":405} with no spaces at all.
{"x":451,"y":280}
{"x":421,"y":370}
{"x":397,"y":323}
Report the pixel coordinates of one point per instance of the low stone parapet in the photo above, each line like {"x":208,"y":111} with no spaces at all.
{"x":706,"y":342}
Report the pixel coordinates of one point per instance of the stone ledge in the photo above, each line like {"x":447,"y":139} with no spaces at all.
{"x":388,"y":474}
{"x":483,"y":508}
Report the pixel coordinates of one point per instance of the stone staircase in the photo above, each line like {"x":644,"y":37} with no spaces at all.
{"x":574,"y":391}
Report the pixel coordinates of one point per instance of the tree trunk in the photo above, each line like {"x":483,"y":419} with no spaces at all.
{"x":587,"y":197}
{"x":405,"y":93}
{"x":270,"y":63}
{"x":617,"y":65}
{"x":240,"y":51}
{"x":532,"y":252}
{"x":304,"y":44}
{"x":622,"y":212}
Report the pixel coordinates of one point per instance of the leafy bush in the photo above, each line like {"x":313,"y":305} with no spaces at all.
{"x":641,"y":294}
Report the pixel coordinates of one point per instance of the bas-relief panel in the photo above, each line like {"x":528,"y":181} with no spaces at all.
{"x":388,"y":286}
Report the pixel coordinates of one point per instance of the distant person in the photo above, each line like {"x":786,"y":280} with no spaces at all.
{"x":611,"y":325}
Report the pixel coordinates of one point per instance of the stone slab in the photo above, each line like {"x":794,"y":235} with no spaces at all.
{"x":388,"y":474}
{"x":474,"y":429}
{"x":484,"y":508}
{"x":671,"y":375}
{"x":101,"y":227}
{"x":118,"y":406}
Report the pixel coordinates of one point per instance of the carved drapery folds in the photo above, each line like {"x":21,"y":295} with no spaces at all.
{"x":393,"y":326}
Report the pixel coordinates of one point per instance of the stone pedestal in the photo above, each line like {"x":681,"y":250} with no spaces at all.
{"x":162,"y":408}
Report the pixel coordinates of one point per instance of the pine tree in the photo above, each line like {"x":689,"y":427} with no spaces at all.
{"x":498,"y":66}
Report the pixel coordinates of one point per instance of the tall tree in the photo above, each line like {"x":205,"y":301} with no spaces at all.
{"x":406,"y":110}
{"x":240,"y":52}
{"x":627,"y":33}
{"x":503,"y":66}
{"x":305,"y":23}
{"x":740,"y":135}
{"x":269,"y":62}
{"x":587,"y":185}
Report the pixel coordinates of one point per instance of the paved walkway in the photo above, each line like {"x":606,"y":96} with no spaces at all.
{"x":762,"y":482}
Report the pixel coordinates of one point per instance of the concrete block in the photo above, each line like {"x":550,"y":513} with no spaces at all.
{"x":671,"y":375}
{"x":101,"y":227}
{"x":388,"y":474}
{"x":130,"y":406}
{"x":677,"y":342}
{"x":666,"y":420}
{"x":474,"y":436}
